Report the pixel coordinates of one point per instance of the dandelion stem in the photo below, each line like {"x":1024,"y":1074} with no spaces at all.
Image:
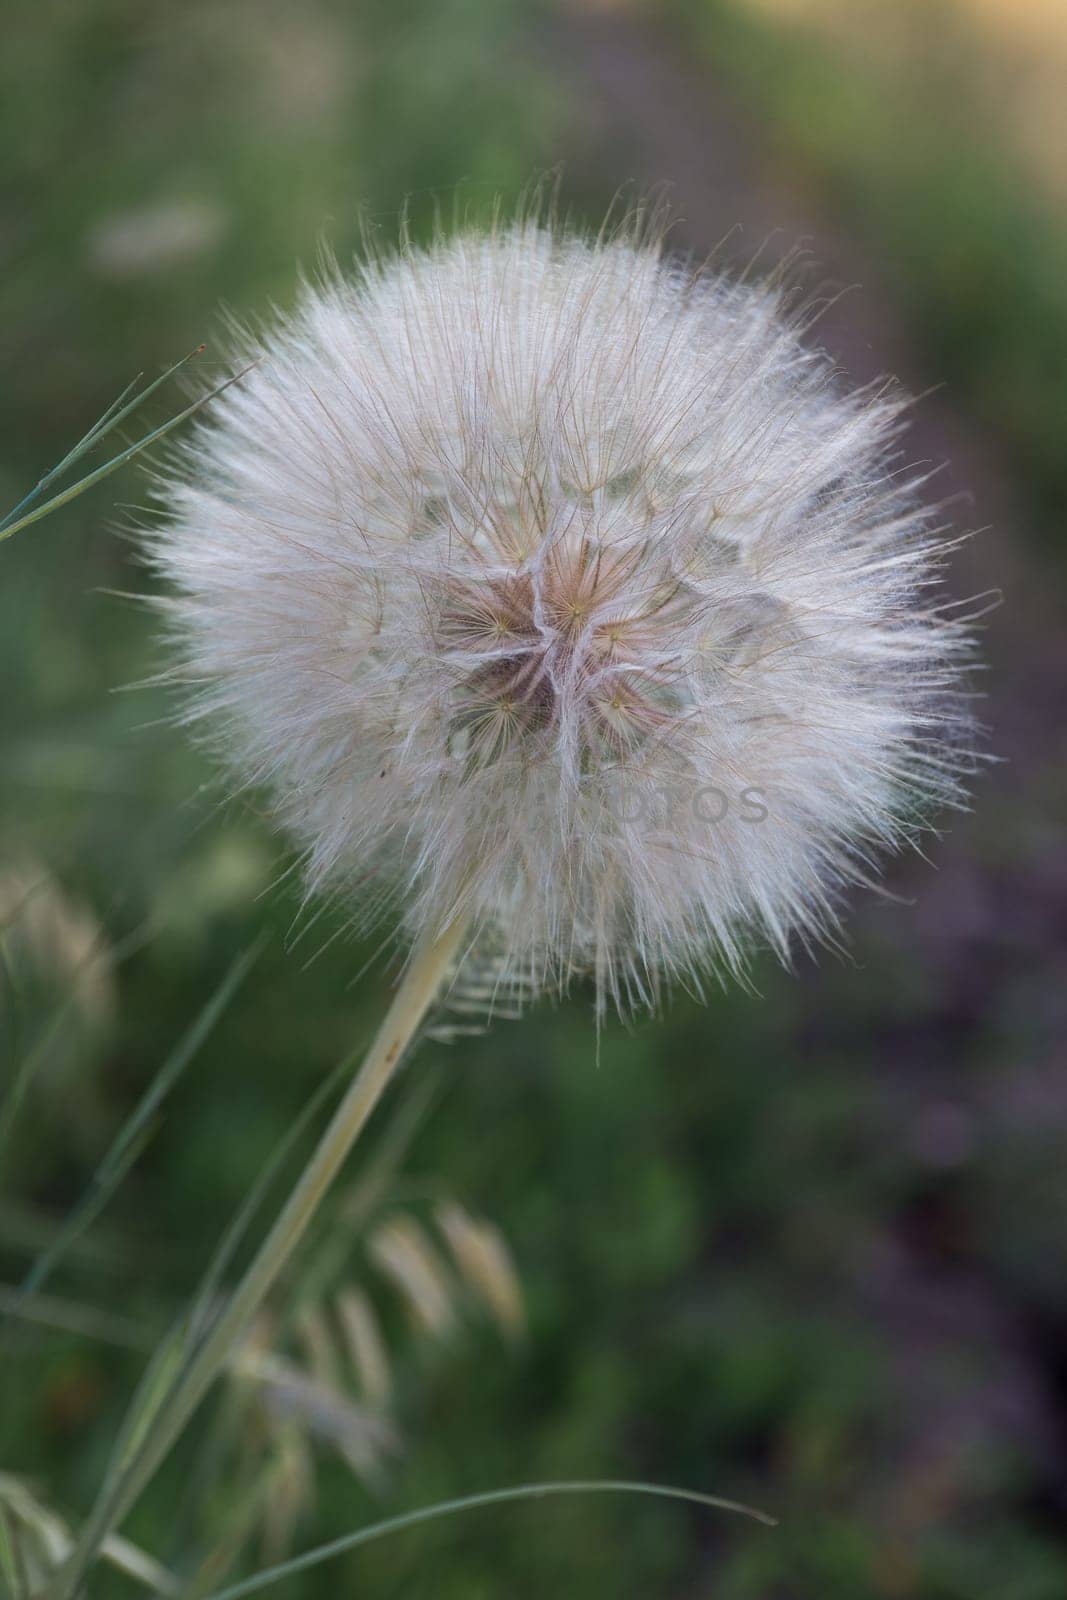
{"x":428,"y":969}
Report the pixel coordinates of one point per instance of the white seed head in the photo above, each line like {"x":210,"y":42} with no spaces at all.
{"x":552,"y":584}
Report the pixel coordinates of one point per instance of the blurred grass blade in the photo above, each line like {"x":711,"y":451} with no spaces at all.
{"x":244,"y":1513}
{"x":135,"y":1132}
{"x":14,"y":522}
{"x":32,"y":1535}
{"x":357,"y":1205}
{"x":9,"y":989}
{"x":231,"y":1239}
{"x":173,"y":1354}
{"x":427,"y":968}
{"x":69,"y":1316}
{"x":150,"y":1397}
{"x":26,"y":1070}
{"x":136,"y":1563}
{"x":206,"y":1294}
{"x":474,"y":1502}
{"x":12,"y":1569}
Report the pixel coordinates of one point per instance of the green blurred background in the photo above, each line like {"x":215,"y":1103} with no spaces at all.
{"x":806,"y":1247}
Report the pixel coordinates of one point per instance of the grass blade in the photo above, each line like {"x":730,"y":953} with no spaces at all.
{"x":85,"y":443}
{"x":174,"y":1352}
{"x":12,"y":1569}
{"x":8,"y":528}
{"x":68,"y":1316}
{"x":427,"y":969}
{"x":207,"y":1465}
{"x":474,"y":1502}
{"x":135,"y":1132}
{"x":116,"y":413}
{"x":26,"y":1070}
{"x":137,"y":1564}
{"x":21,"y":1512}
{"x":231,"y":1239}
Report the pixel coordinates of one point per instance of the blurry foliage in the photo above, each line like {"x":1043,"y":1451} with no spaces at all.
{"x":907,"y":135}
{"x":323,"y":1378}
{"x":766,"y":1246}
{"x":33,"y":1541}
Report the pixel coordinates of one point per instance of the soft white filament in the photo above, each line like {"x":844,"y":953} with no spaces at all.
{"x":549,"y":583}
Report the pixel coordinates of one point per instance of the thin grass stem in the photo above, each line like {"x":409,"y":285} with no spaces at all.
{"x":475,"y":1502}
{"x":428,"y":969}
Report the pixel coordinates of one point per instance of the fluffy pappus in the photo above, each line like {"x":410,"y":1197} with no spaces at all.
{"x":546,"y":582}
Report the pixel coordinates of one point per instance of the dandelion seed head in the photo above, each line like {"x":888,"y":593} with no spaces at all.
{"x":547,"y":582}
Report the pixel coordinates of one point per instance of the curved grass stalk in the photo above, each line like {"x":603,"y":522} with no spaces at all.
{"x":473,"y":1502}
{"x":183,"y":1389}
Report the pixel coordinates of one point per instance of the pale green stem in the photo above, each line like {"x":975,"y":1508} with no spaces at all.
{"x":427,"y":971}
